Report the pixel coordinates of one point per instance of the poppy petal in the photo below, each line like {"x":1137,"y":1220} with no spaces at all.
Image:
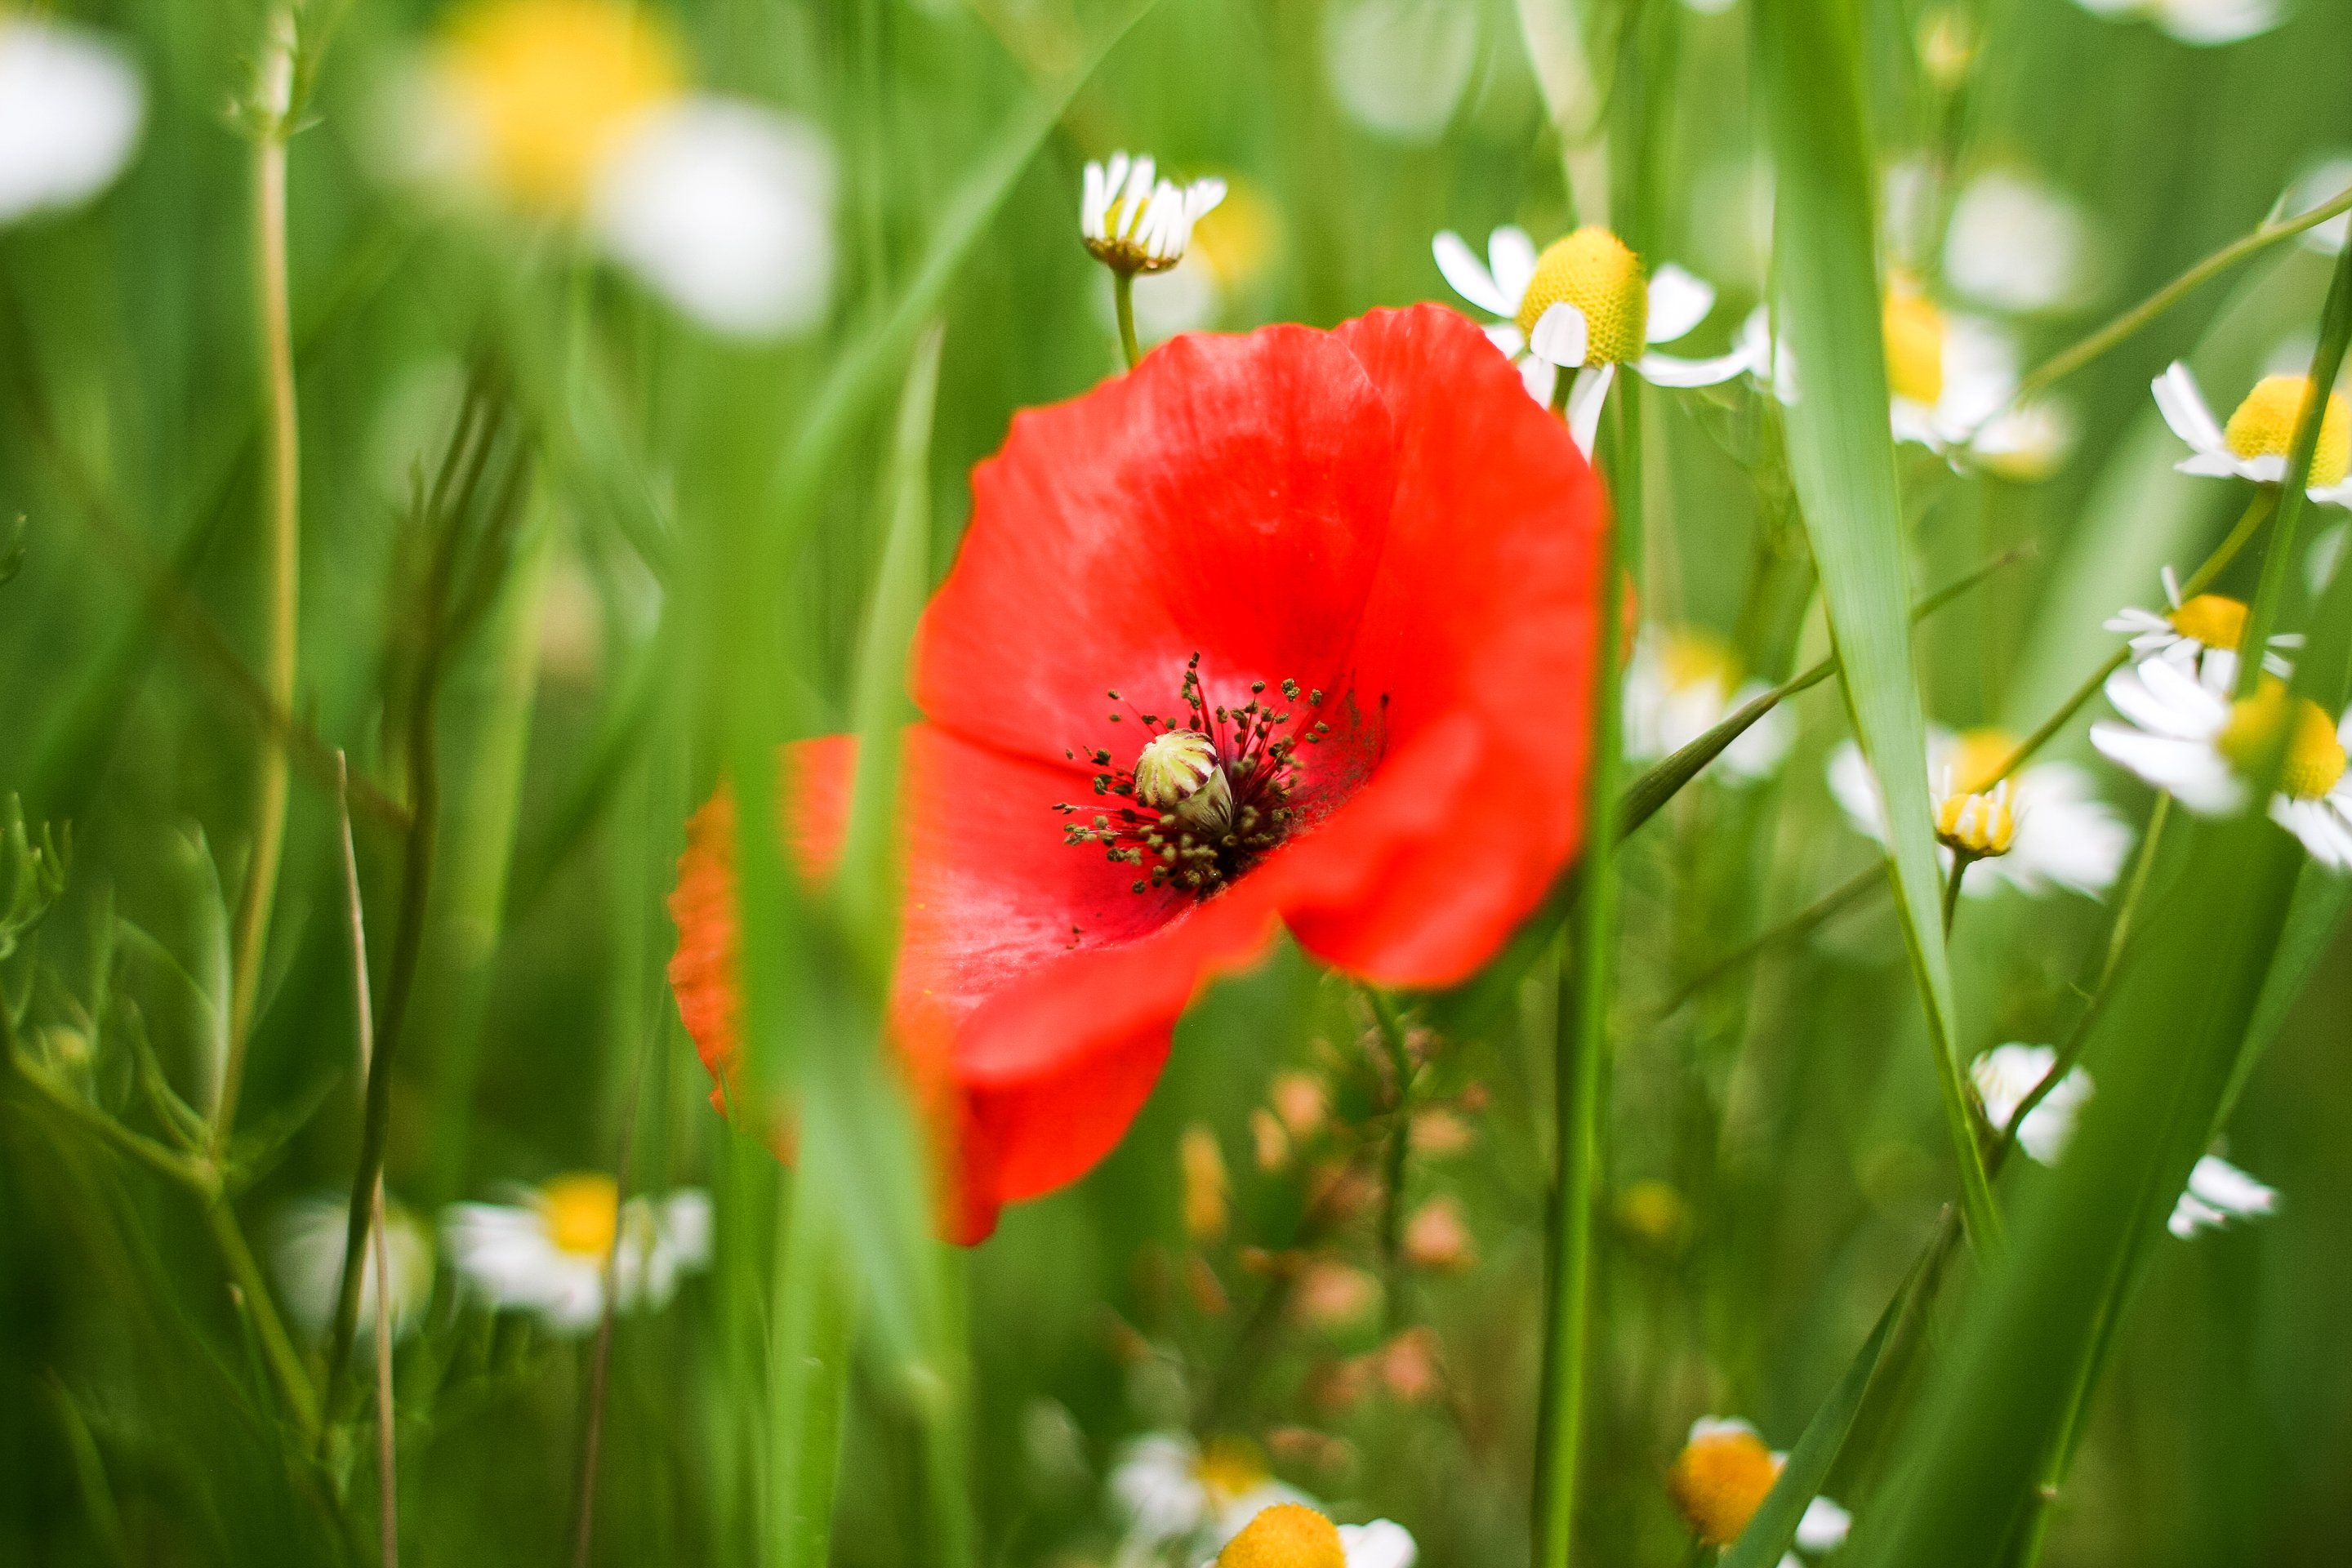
{"x":1226,"y":499}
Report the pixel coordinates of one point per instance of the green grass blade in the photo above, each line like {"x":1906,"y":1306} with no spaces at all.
{"x":1841,"y":457}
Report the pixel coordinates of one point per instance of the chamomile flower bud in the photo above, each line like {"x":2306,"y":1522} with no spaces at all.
{"x":1975,"y":826}
{"x":1719,"y":1479}
{"x":1288,"y":1535}
{"x":1133,"y":222}
{"x":2200,"y":633}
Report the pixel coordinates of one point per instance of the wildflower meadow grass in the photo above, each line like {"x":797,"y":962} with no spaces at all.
{"x":1121,"y":783}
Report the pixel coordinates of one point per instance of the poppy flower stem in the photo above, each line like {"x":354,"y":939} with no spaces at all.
{"x":1400,"y":1146}
{"x":1122,"y":289}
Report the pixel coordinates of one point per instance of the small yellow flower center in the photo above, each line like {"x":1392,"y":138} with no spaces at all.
{"x":2315,"y":758}
{"x":1655,"y":1212}
{"x":1593,"y":270}
{"x":1239,"y":236}
{"x":1230,"y":1468}
{"x":552,"y":85}
{"x":1288,"y":1535}
{"x":1914,"y":345}
{"x":2264,"y":426}
{"x":1692,"y":659}
{"x":1719,"y":1480}
{"x":2211,"y":619}
{"x":1976,"y":825}
{"x":1975,"y":759}
{"x":583,"y":1213}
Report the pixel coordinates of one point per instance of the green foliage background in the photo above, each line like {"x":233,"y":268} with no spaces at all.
{"x":590,"y":706}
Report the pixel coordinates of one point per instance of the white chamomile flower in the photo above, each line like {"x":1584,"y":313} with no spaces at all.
{"x":547,"y":1253}
{"x":1721,"y":1477}
{"x":306,"y":1250}
{"x":2217,"y":1192}
{"x":1948,"y":375}
{"x":2196,"y":22}
{"x":2017,"y":243}
{"x":2200,"y":634}
{"x":579,"y":112}
{"x":2056,"y":830}
{"x":1582,"y":304}
{"x":1681,"y":684}
{"x":1296,"y":1535}
{"x":2005,"y":1075}
{"x":2184,"y":737}
{"x":71,"y":109}
{"x":1399,"y":67}
{"x":1173,"y":1492}
{"x":2253,"y":445}
{"x":1134,"y":222}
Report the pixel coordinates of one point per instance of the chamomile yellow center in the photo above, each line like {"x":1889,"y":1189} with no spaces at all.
{"x":1975,"y":759}
{"x":1593,"y":270}
{"x":1230,"y":1468}
{"x":2314,"y":757}
{"x":1979,"y":825}
{"x":1719,"y":1480}
{"x":2264,"y":426}
{"x":1288,"y":1535}
{"x":583,"y":1213}
{"x":2211,"y":619}
{"x":552,"y":87}
{"x":1914,"y":347}
{"x":1693,"y":658}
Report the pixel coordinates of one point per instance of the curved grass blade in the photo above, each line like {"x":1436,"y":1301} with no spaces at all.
{"x":1842,"y":458}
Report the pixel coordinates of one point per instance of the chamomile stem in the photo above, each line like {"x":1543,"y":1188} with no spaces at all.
{"x":2068,"y":361}
{"x":1583,"y":1019}
{"x":2072,"y":1051}
{"x":1123,"y":290}
{"x":2249,"y":522}
{"x":1960,"y":864}
{"x":284,"y":519}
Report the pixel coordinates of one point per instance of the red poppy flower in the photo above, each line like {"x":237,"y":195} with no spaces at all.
{"x":1292,"y":627}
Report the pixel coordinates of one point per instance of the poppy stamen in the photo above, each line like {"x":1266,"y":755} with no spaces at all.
{"x":1212,"y":790}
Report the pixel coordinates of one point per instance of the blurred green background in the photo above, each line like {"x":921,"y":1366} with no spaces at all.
{"x":1777,"y":1157}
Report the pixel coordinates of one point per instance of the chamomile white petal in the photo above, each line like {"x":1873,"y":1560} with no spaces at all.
{"x":1468,"y":277}
{"x":1678,"y":302}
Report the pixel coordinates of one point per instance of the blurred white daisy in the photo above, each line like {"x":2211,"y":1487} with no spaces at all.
{"x":2253,"y":445}
{"x":579,"y":111}
{"x":1297,"y":1535}
{"x":1683,"y":682}
{"x":1398,"y":67}
{"x":2005,"y":1075}
{"x":2201,"y":636}
{"x":2319,"y":184}
{"x":1133,"y":221}
{"x":2217,"y":1192}
{"x":2184,"y":737}
{"x":1582,"y":304}
{"x":1173,"y":1492}
{"x":307,"y":1254}
{"x":547,"y":1253}
{"x":2017,"y":243}
{"x":2059,"y":833}
{"x":2195,"y":21}
{"x":71,"y":109}
{"x":1948,"y":372}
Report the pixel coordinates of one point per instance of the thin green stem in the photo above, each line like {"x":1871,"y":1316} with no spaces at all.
{"x":2278,"y":555}
{"x":2067,"y":361}
{"x":2072,"y":1051}
{"x":1582,"y":1047}
{"x":1815,"y":914}
{"x":2249,"y":522}
{"x":284,"y":518}
{"x":293,"y":1383}
{"x":1960,"y":864}
{"x":1397,"y":1153}
{"x":1122,"y":288}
